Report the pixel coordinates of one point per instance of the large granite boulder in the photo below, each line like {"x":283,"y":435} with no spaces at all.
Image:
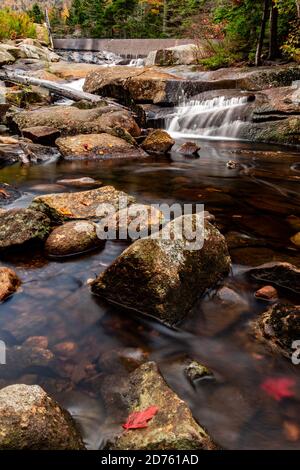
{"x":158,"y":142}
{"x":80,"y":205}
{"x":97,"y":147}
{"x":186,"y":54}
{"x":161,"y":276}
{"x":171,"y":428}
{"x":70,"y":120}
{"x":22,"y":226}
{"x":137,"y":84}
{"x":31,"y":420}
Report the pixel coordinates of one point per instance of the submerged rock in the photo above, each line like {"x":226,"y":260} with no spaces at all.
{"x":189,"y":148}
{"x":279,"y":327}
{"x":9,"y":282}
{"x":158,"y":142}
{"x":80,"y":205}
{"x":79,"y":182}
{"x":41,"y":134}
{"x":162,"y":277}
{"x":171,"y":428}
{"x":22,"y":226}
{"x":26,"y":152}
{"x":71,"y":120}
{"x":73,"y":238}
{"x":281,"y":274}
{"x":97,"y":146}
{"x":23,"y":359}
{"x":31,"y":420}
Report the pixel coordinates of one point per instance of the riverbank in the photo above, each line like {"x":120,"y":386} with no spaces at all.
{"x":195,"y":341}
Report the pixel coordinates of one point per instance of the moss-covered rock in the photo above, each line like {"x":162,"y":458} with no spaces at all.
{"x":80,"y":205}
{"x":161,"y":276}
{"x":71,"y":120}
{"x":173,"y":426}
{"x":22,"y":226}
{"x":279,"y":327}
{"x":31,"y":420}
{"x":285,"y":132}
{"x":158,"y":142}
{"x":73,"y":238}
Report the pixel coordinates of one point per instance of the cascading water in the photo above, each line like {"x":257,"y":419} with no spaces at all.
{"x":221,"y":116}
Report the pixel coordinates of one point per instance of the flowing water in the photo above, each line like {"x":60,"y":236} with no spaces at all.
{"x":253,"y":201}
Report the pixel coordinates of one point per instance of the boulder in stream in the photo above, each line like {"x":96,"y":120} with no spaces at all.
{"x":185,"y":54}
{"x":71,"y":120}
{"x":9,"y":282}
{"x":80,"y":205}
{"x":22,"y":226}
{"x":171,"y":428}
{"x":31,"y":420}
{"x":160,"y":276}
{"x":73,"y":238}
{"x":189,"y":149}
{"x":158,"y":142}
{"x":97,"y":147}
{"x":41,"y":134}
{"x":279,"y":327}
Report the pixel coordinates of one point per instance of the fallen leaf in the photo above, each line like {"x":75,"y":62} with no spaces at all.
{"x":279,"y":388}
{"x":139,"y":419}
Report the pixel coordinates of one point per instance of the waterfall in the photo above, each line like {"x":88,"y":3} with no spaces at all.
{"x":221,"y":116}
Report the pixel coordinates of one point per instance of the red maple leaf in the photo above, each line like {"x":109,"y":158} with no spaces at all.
{"x":279,"y":388}
{"x":139,"y":419}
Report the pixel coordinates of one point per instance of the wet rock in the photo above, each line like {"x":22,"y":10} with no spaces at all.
{"x":8,"y":194}
{"x":23,"y":359}
{"x":186,"y":54}
{"x":25,"y":152}
{"x":267,"y":293}
{"x":135,"y":221}
{"x":12,"y":50}
{"x":80,"y":205}
{"x":158,"y":142}
{"x":281,"y":274}
{"x":72,"y":70}
{"x":285,"y":132}
{"x":25,"y":323}
{"x":172,"y":427}
{"x":30,"y":419}
{"x":71,"y":120}
{"x":22,"y":96}
{"x":36,"y":51}
{"x":4,"y":107}
{"x":189,"y":149}
{"x":73,"y":238}
{"x":22,"y":226}
{"x":137,"y":84}
{"x":97,"y":146}
{"x":196,"y":372}
{"x":162,"y":277}
{"x":80,"y":182}
{"x":258,"y":255}
{"x":279,"y":327}
{"x":127,"y":359}
{"x":66,"y":349}
{"x":9,"y":282}
{"x":232,"y":165}
{"x":295,"y":239}
{"x":37,"y":342}
{"x":41,"y":134}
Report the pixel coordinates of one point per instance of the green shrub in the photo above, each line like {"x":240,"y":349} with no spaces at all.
{"x":15,"y":24}
{"x":219,"y":55}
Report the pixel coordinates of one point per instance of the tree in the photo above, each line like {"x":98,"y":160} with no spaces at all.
{"x":273,"y":38}
{"x":36,"y":14}
{"x":262,"y":32}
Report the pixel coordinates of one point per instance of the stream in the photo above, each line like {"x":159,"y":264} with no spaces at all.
{"x":253,"y":200}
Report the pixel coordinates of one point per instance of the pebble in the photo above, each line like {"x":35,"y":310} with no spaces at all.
{"x":267,"y":293}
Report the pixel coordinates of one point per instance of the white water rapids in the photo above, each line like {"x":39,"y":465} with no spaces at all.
{"x":210,"y":118}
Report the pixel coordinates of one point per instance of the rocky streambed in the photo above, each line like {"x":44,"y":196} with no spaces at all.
{"x":96,"y":330}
